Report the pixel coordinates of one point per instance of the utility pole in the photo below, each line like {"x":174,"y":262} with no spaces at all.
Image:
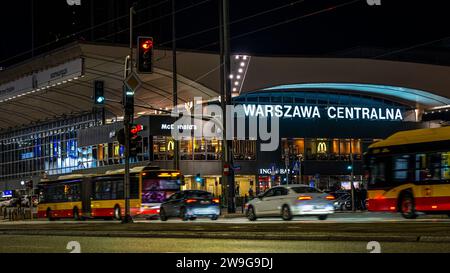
{"x":228,"y":180}
{"x":127,"y":119}
{"x":32,"y":28}
{"x":351,"y":178}
{"x":176,"y":152}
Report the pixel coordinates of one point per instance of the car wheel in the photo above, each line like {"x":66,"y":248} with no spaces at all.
{"x":117,"y":213}
{"x":76,"y":214}
{"x":251,"y":215}
{"x":49,"y":215}
{"x":407,"y":206}
{"x":183,"y":215}
{"x":162,"y":215}
{"x":192,"y":218}
{"x":286,"y":213}
{"x":215,"y":217}
{"x":323,"y":217}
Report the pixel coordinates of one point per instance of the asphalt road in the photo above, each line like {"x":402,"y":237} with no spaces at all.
{"x":347,"y":232}
{"x":62,"y":244}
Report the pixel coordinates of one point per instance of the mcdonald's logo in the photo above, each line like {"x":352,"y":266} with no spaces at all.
{"x":170,"y":145}
{"x":321,"y":147}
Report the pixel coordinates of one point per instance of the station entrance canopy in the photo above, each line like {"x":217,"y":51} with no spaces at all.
{"x":60,"y":83}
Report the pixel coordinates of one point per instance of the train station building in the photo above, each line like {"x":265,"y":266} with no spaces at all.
{"x":329,"y":109}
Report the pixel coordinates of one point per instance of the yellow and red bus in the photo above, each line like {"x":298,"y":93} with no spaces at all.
{"x":409,"y":172}
{"x":83,"y":196}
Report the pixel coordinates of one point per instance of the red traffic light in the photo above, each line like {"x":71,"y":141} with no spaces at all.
{"x":137,"y":128}
{"x":147,"y":44}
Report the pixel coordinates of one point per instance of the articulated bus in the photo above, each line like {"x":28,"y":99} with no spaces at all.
{"x":409,"y":172}
{"x":83,"y":196}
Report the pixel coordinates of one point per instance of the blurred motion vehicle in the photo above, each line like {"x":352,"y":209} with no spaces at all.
{"x":82,"y":196}
{"x":409,"y":172}
{"x":190,"y":204}
{"x":7,"y":202}
{"x":291,"y":200}
{"x":343,"y":202}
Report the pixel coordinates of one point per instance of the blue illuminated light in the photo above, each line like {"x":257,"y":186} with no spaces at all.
{"x":408,"y":94}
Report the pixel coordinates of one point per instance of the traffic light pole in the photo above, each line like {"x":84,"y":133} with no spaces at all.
{"x":128,"y":115}
{"x":228,"y":180}
{"x":176,"y":156}
{"x":352,"y":187}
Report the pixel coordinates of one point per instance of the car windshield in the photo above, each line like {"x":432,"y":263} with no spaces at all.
{"x":305,"y":190}
{"x":198,"y":194}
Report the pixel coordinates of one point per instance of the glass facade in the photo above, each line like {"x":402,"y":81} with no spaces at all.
{"x":201,"y":149}
{"x":325,"y":148}
{"x":49,"y":147}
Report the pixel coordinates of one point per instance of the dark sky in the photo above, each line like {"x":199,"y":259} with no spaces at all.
{"x":324,"y":30}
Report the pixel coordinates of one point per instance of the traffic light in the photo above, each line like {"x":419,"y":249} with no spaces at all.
{"x":349,"y":167}
{"x":145,"y":54}
{"x":199,"y":179}
{"x":135,"y":138}
{"x":128,"y":101}
{"x":99,"y":90}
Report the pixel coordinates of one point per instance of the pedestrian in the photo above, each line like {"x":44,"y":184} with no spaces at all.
{"x":250,"y":192}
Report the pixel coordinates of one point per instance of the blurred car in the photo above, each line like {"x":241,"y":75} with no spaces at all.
{"x":343,"y":202}
{"x":291,"y":200}
{"x":190,"y":204}
{"x":7,"y":202}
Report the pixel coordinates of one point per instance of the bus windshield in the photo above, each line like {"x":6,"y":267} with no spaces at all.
{"x":156,"y":188}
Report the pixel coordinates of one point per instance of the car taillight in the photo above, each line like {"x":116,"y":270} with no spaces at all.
{"x":191,"y":200}
{"x":330,"y":197}
{"x":304,"y":197}
{"x":216,"y":200}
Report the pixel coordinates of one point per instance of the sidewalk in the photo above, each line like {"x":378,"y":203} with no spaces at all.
{"x":225,"y":214}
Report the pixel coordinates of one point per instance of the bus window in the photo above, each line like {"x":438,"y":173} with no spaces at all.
{"x":445,"y":166}
{"x":378,"y":172}
{"x":428,"y":167}
{"x":134,"y":187}
{"x":157,"y":188}
{"x":400,"y":168}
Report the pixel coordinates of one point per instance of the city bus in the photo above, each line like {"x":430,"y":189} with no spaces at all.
{"x":84,"y":196}
{"x":409,"y":172}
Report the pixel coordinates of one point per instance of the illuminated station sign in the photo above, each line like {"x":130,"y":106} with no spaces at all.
{"x":316,"y":112}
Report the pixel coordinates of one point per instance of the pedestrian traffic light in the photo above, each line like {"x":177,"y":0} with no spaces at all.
{"x":135,"y":138}
{"x":199,"y":179}
{"x":99,"y":97}
{"x":145,"y":54}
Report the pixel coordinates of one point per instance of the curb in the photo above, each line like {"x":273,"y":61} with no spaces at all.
{"x":235,"y":235}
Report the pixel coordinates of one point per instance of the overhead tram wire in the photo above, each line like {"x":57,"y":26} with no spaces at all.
{"x":234,"y":22}
{"x":81,"y":31}
{"x":410,"y":47}
{"x":193,"y":34}
{"x":244,"y":34}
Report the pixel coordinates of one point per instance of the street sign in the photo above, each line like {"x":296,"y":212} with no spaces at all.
{"x":133,"y":82}
{"x":226,"y":169}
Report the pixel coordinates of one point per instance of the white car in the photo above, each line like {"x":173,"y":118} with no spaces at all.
{"x":290,"y":200}
{"x":6,"y":202}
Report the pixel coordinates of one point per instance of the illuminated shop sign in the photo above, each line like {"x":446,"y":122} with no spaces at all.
{"x":170,"y":126}
{"x":7,"y":193}
{"x":316,"y":112}
{"x":269,"y":171}
{"x":27,"y":155}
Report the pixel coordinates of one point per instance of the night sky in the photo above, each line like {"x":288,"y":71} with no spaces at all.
{"x":324,"y":30}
